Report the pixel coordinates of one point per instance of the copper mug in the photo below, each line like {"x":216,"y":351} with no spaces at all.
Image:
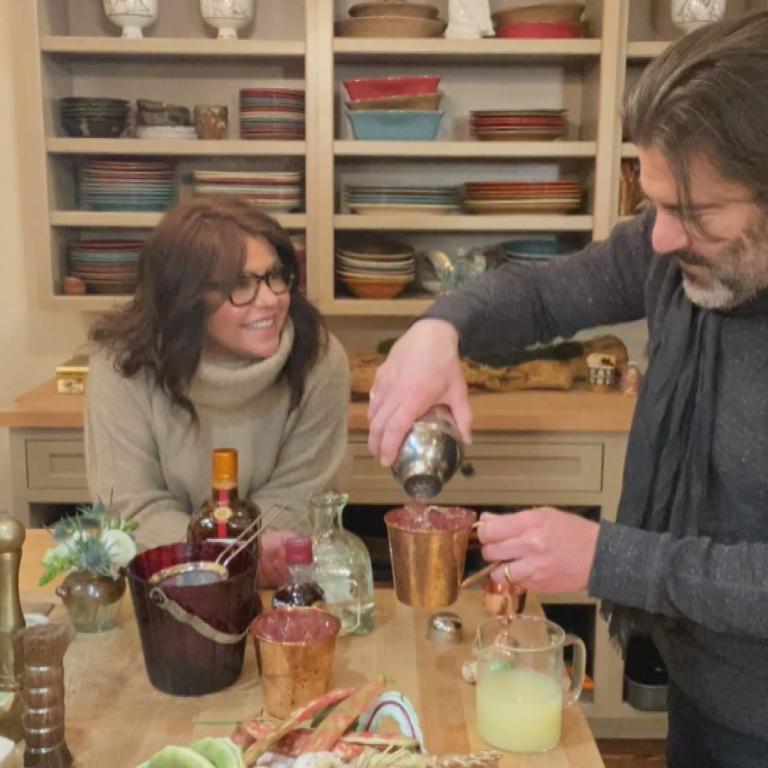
{"x":211,"y":121}
{"x":428,"y":549}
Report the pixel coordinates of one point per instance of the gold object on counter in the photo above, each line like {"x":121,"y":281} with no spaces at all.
{"x":71,"y":376}
{"x":12,"y":535}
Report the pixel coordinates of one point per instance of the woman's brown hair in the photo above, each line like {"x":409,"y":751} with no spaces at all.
{"x":162,"y":329}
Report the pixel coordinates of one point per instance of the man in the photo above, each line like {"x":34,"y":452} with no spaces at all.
{"x":687,"y":560}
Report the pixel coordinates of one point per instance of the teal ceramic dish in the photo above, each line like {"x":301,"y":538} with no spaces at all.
{"x":395,"y":124}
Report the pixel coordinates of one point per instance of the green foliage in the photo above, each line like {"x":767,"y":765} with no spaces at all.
{"x":86,"y":541}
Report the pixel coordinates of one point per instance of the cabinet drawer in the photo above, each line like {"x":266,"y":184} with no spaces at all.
{"x":496,"y":467}
{"x":56,"y":464}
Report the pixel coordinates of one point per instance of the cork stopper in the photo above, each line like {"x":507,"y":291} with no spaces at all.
{"x":224,"y":465}
{"x":12,"y":533}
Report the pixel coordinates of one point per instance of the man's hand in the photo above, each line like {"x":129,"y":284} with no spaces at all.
{"x":272,"y":568}
{"x":422,"y":370}
{"x":543,"y":549}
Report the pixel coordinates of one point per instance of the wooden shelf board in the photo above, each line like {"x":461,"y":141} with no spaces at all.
{"x":124,"y":219}
{"x":171,"y":46}
{"x":461,"y":223}
{"x":488,"y":49}
{"x":173,"y":147}
{"x":453,"y":149}
{"x":646,"y":49}
{"x":628,"y":149}
{"x":342,"y":307}
{"x":89,"y":303}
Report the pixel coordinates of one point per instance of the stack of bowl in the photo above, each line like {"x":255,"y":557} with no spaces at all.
{"x":272,"y":191}
{"x":375,"y":270}
{"x":545,"y":20}
{"x":271,"y":113}
{"x":105,"y":266}
{"x":161,"y":120}
{"x":127,"y":184}
{"x":520,"y":124}
{"x":391,"y":19}
{"x":93,"y":118}
{"x":394,"y":108}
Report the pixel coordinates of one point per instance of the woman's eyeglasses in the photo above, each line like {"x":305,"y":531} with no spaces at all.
{"x":246,"y":289}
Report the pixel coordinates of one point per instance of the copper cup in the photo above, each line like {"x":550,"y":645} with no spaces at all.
{"x":295,"y":650}
{"x":428,"y":548}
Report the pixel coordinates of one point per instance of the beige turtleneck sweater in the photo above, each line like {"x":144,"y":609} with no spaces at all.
{"x":155,"y":465}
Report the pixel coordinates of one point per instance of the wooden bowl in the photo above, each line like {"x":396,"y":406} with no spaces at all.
{"x":374,"y":289}
{"x":394,"y":9}
{"x":422,"y":101}
{"x":546,"y":13}
{"x":389,"y":26}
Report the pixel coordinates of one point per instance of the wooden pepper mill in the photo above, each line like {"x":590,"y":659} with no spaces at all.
{"x":12,"y":535}
{"x":43,"y":695}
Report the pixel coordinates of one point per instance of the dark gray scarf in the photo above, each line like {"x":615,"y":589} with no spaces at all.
{"x":666,"y":486}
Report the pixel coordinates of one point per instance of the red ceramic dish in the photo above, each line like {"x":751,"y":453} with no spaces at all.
{"x":376,"y":87}
{"x":540,"y":30}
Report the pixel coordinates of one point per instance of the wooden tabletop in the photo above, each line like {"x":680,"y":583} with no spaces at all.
{"x":576,"y":411}
{"x":115,"y":717}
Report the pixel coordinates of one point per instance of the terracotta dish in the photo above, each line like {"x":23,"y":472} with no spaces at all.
{"x":394,"y":9}
{"x":379,"y":289}
{"x":389,"y":26}
{"x":540,"y":30}
{"x":430,"y":101}
{"x":547,"y":13}
{"x":378,"y":87}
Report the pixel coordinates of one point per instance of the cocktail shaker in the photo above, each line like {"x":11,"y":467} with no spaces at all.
{"x":430,"y":454}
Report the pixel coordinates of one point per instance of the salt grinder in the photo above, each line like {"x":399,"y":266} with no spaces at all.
{"x":12,"y":536}
{"x":43,"y":695}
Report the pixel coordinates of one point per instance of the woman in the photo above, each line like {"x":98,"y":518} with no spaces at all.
{"x":216,"y":349}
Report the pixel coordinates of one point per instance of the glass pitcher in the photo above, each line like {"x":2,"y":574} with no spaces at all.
{"x":520,"y":674}
{"x":342,"y":565}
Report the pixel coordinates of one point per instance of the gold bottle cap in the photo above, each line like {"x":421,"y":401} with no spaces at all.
{"x":12,"y":534}
{"x":225,"y":468}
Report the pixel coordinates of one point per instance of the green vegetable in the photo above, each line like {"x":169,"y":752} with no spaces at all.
{"x":179,"y":757}
{"x":221,"y":752}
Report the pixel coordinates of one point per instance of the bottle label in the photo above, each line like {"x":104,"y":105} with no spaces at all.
{"x":222,"y":514}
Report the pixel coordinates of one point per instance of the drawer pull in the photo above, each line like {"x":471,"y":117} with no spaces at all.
{"x":467,"y":469}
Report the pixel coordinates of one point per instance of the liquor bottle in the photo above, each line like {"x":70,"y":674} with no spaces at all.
{"x":342,"y":565}
{"x":224,"y":516}
{"x":301,"y":589}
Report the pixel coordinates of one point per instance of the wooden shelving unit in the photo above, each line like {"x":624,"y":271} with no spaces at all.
{"x":175,"y":147}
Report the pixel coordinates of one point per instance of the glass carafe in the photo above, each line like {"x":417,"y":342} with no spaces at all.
{"x":342,"y":565}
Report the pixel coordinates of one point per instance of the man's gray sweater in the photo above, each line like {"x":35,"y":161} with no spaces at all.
{"x":714,"y":585}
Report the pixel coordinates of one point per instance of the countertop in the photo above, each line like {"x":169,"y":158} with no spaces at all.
{"x":115,"y":717}
{"x":536,"y":411}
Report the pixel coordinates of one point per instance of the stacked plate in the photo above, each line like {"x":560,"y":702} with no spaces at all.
{"x":376,"y":270}
{"x":106,"y":266}
{"x":520,"y":124}
{"x":395,"y":199}
{"x":273,"y":191}
{"x":486,"y":197}
{"x":186,"y":132}
{"x":539,"y":248}
{"x":82,"y":116}
{"x":128,"y":185}
{"x":271,"y":113}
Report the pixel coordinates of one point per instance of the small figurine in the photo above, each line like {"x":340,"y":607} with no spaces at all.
{"x":629,"y":384}
{"x":469,"y":19}
{"x":601,"y":369}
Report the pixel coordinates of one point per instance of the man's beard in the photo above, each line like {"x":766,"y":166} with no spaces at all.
{"x":737,"y":275}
